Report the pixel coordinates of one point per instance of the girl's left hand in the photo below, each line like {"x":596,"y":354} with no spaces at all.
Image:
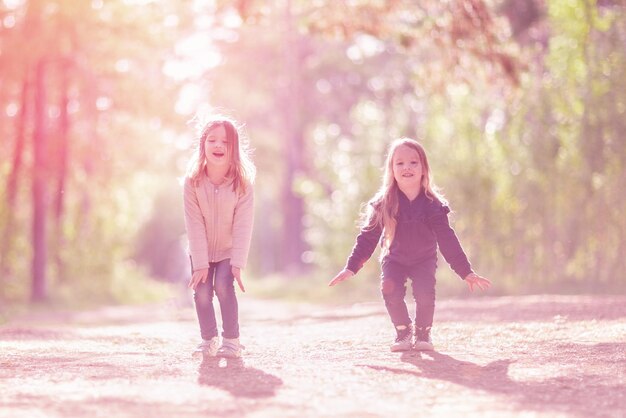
{"x":237,"y":274}
{"x":474,"y":279}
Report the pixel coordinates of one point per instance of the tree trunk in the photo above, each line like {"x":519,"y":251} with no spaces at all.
{"x":88,"y":149}
{"x":39,"y":290}
{"x":293,"y":206}
{"x":62,"y":152}
{"x":13,"y":181}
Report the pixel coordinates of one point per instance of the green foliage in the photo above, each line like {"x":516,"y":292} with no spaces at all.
{"x":534,"y":173}
{"x":119,"y":145}
{"x":532,"y":176}
{"x":160,"y":243}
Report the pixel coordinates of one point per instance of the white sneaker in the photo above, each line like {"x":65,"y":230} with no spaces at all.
{"x":422,"y":340}
{"x":231,"y":348}
{"x":404,"y":339}
{"x":207,"y":348}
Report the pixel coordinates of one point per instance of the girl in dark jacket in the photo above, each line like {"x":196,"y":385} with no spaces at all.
{"x":410,"y":220}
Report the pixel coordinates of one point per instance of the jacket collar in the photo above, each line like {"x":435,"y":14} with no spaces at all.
{"x":228,"y":180}
{"x":402,"y":198}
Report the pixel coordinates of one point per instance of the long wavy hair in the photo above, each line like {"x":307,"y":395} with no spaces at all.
{"x":241,"y":170}
{"x":382,"y":209}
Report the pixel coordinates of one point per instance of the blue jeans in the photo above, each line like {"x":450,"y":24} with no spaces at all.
{"x":221,"y":282}
{"x":393,"y":288}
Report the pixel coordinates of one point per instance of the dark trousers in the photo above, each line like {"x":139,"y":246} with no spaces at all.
{"x":220,"y":282}
{"x":393,"y":288}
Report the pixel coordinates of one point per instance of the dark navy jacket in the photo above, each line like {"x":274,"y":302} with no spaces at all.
{"x":422,"y":224}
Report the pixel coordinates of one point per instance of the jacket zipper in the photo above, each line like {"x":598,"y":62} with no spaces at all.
{"x":215,"y":222}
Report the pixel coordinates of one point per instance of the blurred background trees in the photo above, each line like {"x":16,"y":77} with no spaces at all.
{"x":520,"y":104}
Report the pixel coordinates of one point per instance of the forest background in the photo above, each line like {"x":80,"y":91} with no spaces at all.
{"x":521,"y":105}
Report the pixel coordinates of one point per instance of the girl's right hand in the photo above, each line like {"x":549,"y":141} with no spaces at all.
{"x":343,"y":275}
{"x":474,"y":279}
{"x":197,"y":277}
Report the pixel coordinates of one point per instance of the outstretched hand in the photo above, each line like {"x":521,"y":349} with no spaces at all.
{"x":343,"y":275}
{"x":237,"y":274}
{"x":197,"y":277}
{"x":474,"y":279}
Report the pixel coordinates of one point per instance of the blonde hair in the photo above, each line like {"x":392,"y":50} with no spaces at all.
{"x":241,"y":169}
{"x":382,"y":209}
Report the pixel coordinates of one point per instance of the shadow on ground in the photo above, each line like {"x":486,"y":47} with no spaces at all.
{"x":567,"y":394}
{"x":233,"y":376}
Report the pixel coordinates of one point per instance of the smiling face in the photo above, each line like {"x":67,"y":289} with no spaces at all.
{"x":407,"y":168}
{"x":216,"y":147}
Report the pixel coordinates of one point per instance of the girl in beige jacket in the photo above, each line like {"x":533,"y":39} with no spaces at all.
{"x":219,"y":213}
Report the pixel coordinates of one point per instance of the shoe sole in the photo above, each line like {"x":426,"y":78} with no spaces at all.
{"x":202,"y":354}
{"x":422,"y":346}
{"x":400,"y":348}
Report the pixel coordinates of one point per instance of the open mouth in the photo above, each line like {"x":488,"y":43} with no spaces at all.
{"x":218,"y":154}
{"x":407,"y":175}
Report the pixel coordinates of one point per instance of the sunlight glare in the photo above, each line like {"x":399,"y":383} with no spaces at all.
{"x":104,"y":103}
{"x":354,"y":54}
{"x":201,"y":6}
{"x":13,"y":4}
{"x":195,"y":55}
{"x":9,"y":21}
{"x":323,"y":86}
{"x":138,"y":2}
{"x":365,"y":46}
{"x":184,"y":142}
{"x":495,"y":122}
{"x":171,"y":21}
{"x":333,"y":129}
{"x":188,"y":99}
{"x":232,"y":19}
{"x":73,"y":106}
{"x":122,"y":65}
{"x":204,"y":22}
{"x":11,"y":109}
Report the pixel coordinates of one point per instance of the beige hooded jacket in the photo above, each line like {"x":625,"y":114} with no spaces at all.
{"x":219,"y":222}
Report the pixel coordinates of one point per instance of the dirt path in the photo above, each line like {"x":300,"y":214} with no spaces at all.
{"x":543,"y":356}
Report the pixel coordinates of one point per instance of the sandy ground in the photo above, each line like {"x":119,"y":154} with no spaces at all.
{"x":534,"y":356}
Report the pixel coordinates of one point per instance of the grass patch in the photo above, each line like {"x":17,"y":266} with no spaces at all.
{"x":126,"y":284}
{"x":364,"y":287}
{"x":312,"y":288}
